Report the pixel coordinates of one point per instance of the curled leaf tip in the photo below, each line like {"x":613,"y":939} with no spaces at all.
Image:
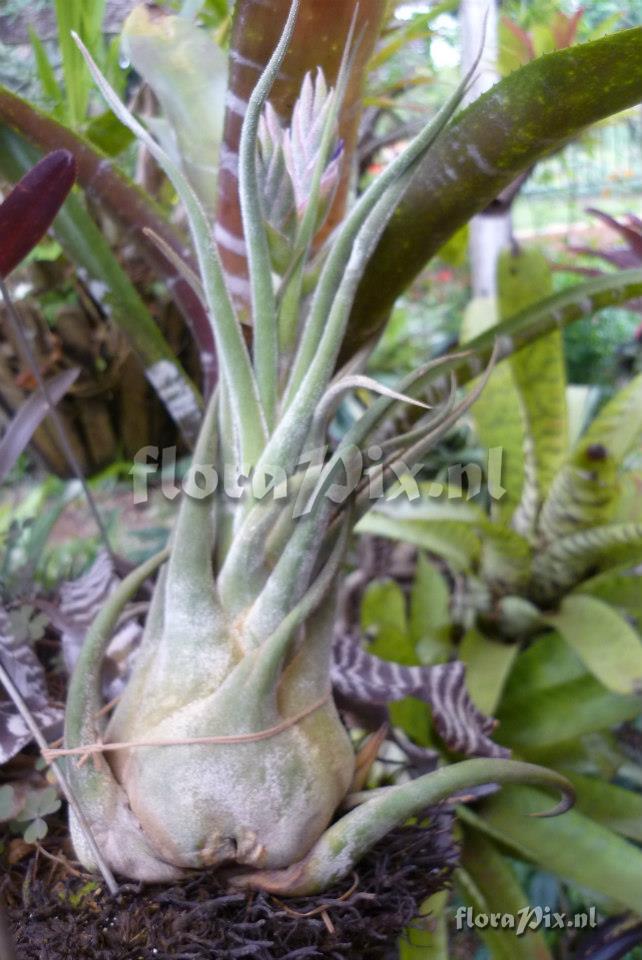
{"x":565,"y":803}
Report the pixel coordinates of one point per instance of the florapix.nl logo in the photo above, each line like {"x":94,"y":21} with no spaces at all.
{"x":528,"y":918}
{"x":355,"y":471}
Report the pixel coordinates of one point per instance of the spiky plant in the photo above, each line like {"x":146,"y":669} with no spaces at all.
{"x":226,"y":749}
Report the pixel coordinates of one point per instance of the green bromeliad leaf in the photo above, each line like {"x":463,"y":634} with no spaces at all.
{"x":488,"y":664}
{"x":497,"y":412}
{"x":618,"y":426}
{"x":537,"y":724}
{"x":430,"y":623}
{"x":546,"y":663}
{"x":573,"y":846}
{"x":383,"y":612}
{"x":547,"y":677}
{"x":506,"y":557}
{"x":612,"y":806}
{"x":488,"y":883}
{"x":620,"y":589}
{"x":580,"y":405}
{"x":454,"y":540}
{"x":524,"y":277}
{"x":568,"y":559}
{"x":585,"y":492}
{"x":629,"y":502}
{"x":606,"y":643}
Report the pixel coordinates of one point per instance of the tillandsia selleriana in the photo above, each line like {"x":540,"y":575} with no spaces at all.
{"x":226,"y":749}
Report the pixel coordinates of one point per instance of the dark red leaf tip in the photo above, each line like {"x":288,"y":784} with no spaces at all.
{"x":30,"y":208}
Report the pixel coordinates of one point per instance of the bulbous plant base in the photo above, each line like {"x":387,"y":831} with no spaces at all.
{"x":363,"y":916}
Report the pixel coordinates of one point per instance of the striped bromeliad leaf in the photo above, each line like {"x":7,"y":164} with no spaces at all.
{"x":619,"y":424}
{"x":566,"y":562}
{"x":364,"y":678}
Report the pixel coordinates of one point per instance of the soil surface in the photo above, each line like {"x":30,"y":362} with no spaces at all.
{"x":55,"y":912}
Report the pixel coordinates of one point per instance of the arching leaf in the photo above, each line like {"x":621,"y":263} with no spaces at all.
{"x":567,"y":560}
{"x":501,"y":134}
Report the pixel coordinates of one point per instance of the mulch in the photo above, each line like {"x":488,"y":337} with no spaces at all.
{"x":56,"y":913}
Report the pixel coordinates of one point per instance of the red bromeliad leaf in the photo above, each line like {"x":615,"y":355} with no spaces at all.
{"x":631,"y":233}
{"x":522,"y":36}
{"x":28,"y":211}
{"x":564,"y":28}
{"x":623,"y":257}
